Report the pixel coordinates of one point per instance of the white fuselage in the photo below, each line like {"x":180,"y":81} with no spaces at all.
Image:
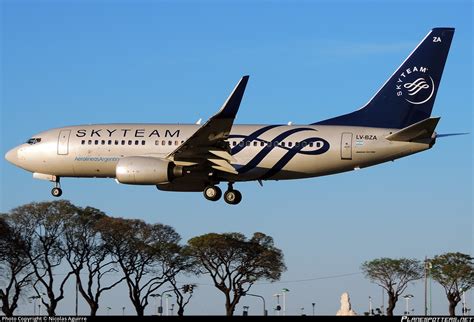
{"x":261,"y":152}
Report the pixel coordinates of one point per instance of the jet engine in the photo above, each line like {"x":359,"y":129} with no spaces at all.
{"x":146,"y":171}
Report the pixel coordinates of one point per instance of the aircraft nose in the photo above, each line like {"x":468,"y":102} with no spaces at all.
{"x":12,"y":156}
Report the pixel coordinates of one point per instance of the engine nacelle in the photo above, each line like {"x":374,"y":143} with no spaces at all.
{"x":146,"y":170}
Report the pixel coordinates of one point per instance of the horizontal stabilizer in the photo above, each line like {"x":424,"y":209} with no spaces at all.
{"x":418,"y":131}
{"x":450,"y":134}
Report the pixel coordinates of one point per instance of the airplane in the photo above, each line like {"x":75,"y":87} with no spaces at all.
{"x":396,"y":122}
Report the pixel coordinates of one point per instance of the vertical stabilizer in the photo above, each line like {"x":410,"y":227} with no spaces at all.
{"x":409,"y":94}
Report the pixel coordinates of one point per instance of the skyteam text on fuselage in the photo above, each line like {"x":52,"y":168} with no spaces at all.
{"x":395,"y":123}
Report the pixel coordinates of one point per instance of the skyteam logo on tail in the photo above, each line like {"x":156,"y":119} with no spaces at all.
{"x":415,"y":85}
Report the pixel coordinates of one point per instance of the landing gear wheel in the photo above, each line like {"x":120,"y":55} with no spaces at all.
{"x":232,"y":197}
{"x":56,"y":192}
{"x":212,"y":193}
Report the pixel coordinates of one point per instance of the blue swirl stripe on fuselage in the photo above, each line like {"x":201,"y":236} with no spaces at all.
{"x":273,"y":144}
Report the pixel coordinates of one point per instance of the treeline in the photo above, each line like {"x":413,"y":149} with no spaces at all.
{"x":90,"y":248}
{"x":453,"y":271}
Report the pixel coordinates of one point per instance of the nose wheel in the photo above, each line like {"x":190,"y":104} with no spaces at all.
{"x":57,"y":191}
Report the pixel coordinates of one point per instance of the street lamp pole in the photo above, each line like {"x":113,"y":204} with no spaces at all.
{"x":313,"y":304}
{"x":160,"y":309}
{"x":407,"y":299}
{"x":278,"y":308}
{"x":285,"y":290}
{"x":428,"y":266}
{"x":77,"y":296}
{"x":167,"y":311}
{"x":156,"y":295}
{"x":34,"y":298}
{"x":265,"y":313}
{"x":370,"y":305}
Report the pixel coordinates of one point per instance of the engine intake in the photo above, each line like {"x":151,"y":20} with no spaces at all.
{"x":146,"y":171}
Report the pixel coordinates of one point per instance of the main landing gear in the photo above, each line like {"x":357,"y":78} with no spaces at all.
{"x":57,"y":191}
{"x":231,"y":196}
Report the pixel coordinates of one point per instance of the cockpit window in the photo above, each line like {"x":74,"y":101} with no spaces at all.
{"x":33,"y":140}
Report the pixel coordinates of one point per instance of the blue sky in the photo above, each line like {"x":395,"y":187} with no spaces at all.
{"x":76,"y":62}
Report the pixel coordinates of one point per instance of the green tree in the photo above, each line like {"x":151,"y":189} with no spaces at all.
{"x":235,"y":263}
{"x":139,"y":248}
{"x":42,"y":228}
{"x":88,"y":256}
{"x":455,"y":273}
{"x":175,"y":262}
{"x":393,"y":275}
{"x":15,"y":269}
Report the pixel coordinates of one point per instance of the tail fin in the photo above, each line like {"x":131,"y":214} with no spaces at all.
{"x":409,"y":94}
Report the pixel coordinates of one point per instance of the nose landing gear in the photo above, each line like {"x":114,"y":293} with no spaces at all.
{"x":57,"y":191}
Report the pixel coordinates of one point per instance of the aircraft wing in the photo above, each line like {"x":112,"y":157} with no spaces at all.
{"x":208,"y":144}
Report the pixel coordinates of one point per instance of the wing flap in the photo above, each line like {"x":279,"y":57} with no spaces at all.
{"x":233,"y":171}
{"x":223,"y":155}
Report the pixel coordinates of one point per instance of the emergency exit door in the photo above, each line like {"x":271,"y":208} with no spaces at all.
{"x":346,"y":146}
{"x":63,"y":142}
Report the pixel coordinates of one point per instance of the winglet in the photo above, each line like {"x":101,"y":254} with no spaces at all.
{"x":231,"y":106}
{"x":418,"y":131}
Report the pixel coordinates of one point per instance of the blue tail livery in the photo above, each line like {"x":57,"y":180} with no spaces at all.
{"x":409,"y":94}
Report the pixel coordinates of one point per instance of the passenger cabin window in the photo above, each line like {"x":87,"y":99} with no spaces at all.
{"x":34,"y":140}
{"x":83,"y":142}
